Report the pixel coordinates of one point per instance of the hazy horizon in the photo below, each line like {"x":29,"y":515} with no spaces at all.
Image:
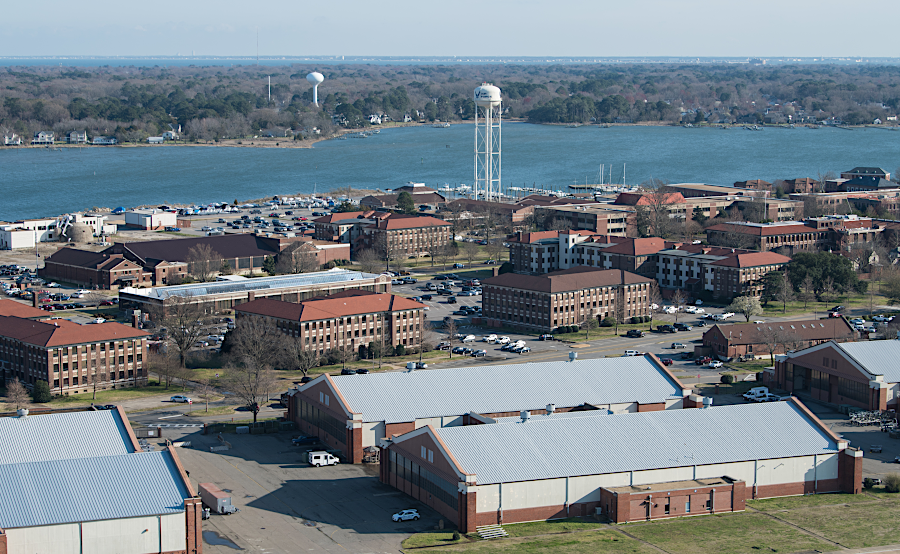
{"x":525,"y":28}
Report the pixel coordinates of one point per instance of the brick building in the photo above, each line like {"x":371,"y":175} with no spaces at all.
{"x":352,"y":412}
{"x":72,"y":358}
{"x":718,"y":272}
{"x":10,"y":307}
{"x":755,"y":339}
{"x":97,"y":269}
{"x":345,"y":320}
{"x":756,"y":184}
{"x":793,"y":236}
{"x":540,"y":303}
{"x":159,"y":262}
{"x":603,"y":219}
{"x":341,"y":226}
{"x":861,"y":374}
{"x":664,"y":464}
{"x":402,"y":236}
{"x":546,"y":251}
{"x":126,"y":499}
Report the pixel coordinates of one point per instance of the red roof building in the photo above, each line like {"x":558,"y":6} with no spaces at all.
{"x":345,"y":320}
{"x":72,"y":358}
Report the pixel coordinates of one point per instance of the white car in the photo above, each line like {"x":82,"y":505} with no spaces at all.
{"x":98,"y":320}
{"x":82,"y":291}
{"x":690,"y":309}
{"x":180,"y":398}
{"x":503,"y":340}
{"x":52,"y":285}
{"x":631,"y":353}
{"x":670,"y":309}
{"x":489,"y":338}
{"x":855,"y":321}
{"x":699,"y":310}
{"x":882,"y":318}
{"x":715,"y":364}
{"x":654,"y":306}
{"x":469,"y":338}
{"x":406,"y":515}
{"x":758,"y":321}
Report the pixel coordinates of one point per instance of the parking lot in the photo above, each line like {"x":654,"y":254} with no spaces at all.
{"x":286,"y":506}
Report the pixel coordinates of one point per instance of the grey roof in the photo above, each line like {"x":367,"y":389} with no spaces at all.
{"x":555,"y":448}
{"x":89,"y":489}
{"x":62,"y":436}
{"x":878,"y":357}
{"x":262,"y":283}
{"x":400,"y":396}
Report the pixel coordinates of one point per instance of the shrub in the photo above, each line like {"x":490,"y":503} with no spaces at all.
{"x":456,"y":535}
{"x":727,"y":379}
{"x":399,"y":350}
{"x":892,"y":482}
{"x":41,"y":392}
{"x":607,"y":322}
{"x":868,"y":483}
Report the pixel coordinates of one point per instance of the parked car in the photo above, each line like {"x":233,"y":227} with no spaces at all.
{"x":458,"y":266}
{"x":666,"y":361}
{"x":666,"y":329}
{"x":469,"y":338}
{"x":458,"y":350}
{"x":301,"y":440}
{"x":629,"y":353}
{"x":180,"y":398}
{"x":348,"y":371}
{"x":678,"y":345}
{"x":505,"y":340}
{"x":479,"y":353}
{"x":362,"y":371}
{"x":683,"y":327}
{"x":545,"y":337}
{"x":406,"y":515}
{"x":838,"y":309}
{"x":523,"y":350}
{"x":634,"y":333}
{"x":702,"y":360}
{"x":715,"y":364}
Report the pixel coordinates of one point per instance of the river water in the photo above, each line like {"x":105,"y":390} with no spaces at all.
{"x":40,"y":182}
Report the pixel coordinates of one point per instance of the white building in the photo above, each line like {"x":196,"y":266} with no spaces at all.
{"x":150,"y":219}
{"x":43,"y":137}
{"x":155,"y":140}
{"x":12,"y":237}
{"x":12,"y":140}
{"x":170,"y":135}
{"x":105,"y":141}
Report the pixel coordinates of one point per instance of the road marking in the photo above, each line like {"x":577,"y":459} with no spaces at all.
{"x":176,"y":425}
{"x":171,"y":416}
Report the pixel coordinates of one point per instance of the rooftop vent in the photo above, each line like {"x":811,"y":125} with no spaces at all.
{"x":22,"y":412}
{"x":551,"y":408}
{"x":525,"y":415}
{"x":707,"y":402}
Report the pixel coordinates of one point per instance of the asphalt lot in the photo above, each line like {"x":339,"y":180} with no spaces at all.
{"x":286,"y":506}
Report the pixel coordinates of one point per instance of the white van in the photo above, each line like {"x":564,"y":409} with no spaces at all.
{"x":756,"y":392}
{"x":322,"y":458}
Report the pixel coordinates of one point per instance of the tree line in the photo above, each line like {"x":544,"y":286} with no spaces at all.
{"x":212,"y":103}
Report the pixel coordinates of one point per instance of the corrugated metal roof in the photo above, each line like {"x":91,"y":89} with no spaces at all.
{"x":400,"y":396}
{"x":555,"y":448}
{"x":878,"y":357}
{"x":62,"y":436}
{"x":89,"y":489}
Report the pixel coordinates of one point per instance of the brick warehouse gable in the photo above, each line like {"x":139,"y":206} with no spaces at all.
{"x":503,"y":477}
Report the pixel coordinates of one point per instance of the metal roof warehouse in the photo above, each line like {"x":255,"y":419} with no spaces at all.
{"x":79,"y":481}
{"x":628,"y":467}
{"x":351,"y":412}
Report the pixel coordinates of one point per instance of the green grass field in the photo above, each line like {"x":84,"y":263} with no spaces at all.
{"x":853,"y":526}
{"x":746,"y":533}
{"x":794,"y":502}
{"x":111,"y":396}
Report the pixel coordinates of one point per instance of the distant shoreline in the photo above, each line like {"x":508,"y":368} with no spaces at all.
{"x":287,"y":142}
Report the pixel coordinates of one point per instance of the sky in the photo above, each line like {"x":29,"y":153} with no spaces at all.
{"x":600,"y":28}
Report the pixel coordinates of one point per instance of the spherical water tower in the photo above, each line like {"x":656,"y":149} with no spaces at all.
{"x":315,"y":79}
{"x":487,"y":142}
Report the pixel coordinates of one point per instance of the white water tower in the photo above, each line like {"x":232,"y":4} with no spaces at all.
{"x":487,"y":142}
{"x":315,"y":79}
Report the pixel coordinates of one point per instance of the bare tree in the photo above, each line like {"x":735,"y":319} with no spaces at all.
{"x":297,"y":257}
{"x":772,"y":337}
{"x":249,"y":382}
{"x":659,"y":199}
{"x":256,"y":341}
{"x":470,"y":251}
{"x":163,"y":364}
{"x":654,"y":302}
{"x":205,"y":391}
{"x":387,"y":248}
{"x":679,"y":298}
{"x":94,"y":298}
{"x":495,"y":250}
{"x":807,"y":290}
{"x":429,"y":341}
{"x":446,"y":253}
{"x":183,"y":319}
{"x":828,"y":290}
{"x":203,"y":262}
{"x":450,"y":329}
{"x":16,"y":394}
{"x":558,"y":224}
{"x":589,"y":324}
{"x":300,"y":354}
{"x":368,"y":261}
